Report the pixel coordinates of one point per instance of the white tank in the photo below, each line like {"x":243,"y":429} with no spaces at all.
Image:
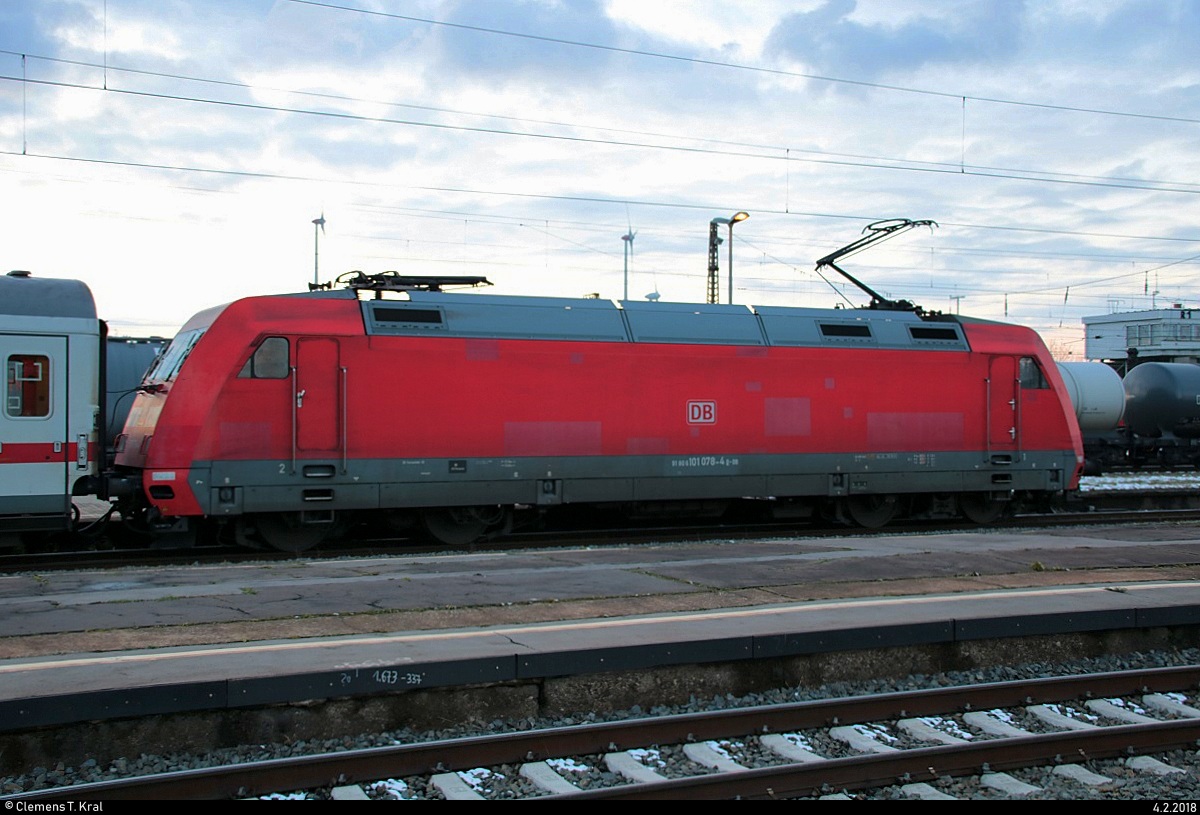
{"x":1097,"y":395}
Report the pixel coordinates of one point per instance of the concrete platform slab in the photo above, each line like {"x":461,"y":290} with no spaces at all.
{"x":243,"y":634}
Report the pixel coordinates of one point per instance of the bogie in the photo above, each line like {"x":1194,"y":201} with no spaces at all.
{"x":983,"y":508}
{"x":461,"y":526}
{"x":286,"y":531}
{"x":871,"y":511}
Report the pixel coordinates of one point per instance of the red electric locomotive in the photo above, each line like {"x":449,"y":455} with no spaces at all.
{"x":277,"y":418}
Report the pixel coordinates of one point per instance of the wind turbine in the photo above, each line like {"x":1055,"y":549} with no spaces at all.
{"x":628,"y":238}
{"x":654,"y":295}
{"x":317,"y":223}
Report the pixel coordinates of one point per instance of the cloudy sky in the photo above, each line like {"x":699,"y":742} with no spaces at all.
{"x":174,"y":153}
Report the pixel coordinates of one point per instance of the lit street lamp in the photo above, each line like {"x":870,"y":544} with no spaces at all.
{"x":736,"y":218}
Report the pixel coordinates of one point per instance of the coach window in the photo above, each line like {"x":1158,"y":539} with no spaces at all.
{"x":27,"y":394}
{"x":1031,"y":375}
{"x":269,"y":360}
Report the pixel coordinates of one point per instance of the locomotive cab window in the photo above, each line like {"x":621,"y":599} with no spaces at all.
{"x":269,"y":360}
{"x":171,"y":360}
{"x":27,"y":392}
{"x":1032,"y":377}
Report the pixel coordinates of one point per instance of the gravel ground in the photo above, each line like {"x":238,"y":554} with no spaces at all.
{"x":1141,"y":480}
{"x":589,"y":771}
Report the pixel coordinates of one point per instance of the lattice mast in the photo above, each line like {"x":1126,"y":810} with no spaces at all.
{"x":714,"y":282}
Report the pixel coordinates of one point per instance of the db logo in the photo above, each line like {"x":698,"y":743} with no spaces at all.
{"x":702,"y":412}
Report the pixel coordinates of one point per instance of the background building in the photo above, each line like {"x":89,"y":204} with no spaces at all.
{"x":1160,"y":335}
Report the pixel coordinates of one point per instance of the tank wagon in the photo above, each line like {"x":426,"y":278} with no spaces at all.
{"x":1160,"y":422}
{"x":279,"y":419}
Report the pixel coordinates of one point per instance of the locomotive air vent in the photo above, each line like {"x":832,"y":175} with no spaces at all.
{"x":398,"y":318}
{"x":925,"y":333}
{"x":845,"y":331}
{"x":415,"y":316}
{"x":842,"y":330}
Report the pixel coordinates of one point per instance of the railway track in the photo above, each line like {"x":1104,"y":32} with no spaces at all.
{"x":910,"y":743}
{"x":67,"y":559}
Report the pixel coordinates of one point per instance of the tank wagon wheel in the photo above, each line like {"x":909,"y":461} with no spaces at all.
{"x":981,"y":508}
{"x":872,"y":511}
{"x":287,"y":532}
{"x":458,"y":526}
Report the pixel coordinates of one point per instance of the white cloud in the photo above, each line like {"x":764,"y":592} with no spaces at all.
{"x":420,"y":171}
{"x":117,"y":37}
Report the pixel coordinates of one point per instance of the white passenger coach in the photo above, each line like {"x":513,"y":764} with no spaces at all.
{"x":50,"y":344}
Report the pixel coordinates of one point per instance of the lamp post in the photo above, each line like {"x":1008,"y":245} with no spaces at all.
{"x":733,"y":219}
{"x":627,"y":238}
{"x":318,"y":223}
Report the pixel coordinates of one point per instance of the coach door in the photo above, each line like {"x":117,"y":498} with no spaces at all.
{"x":1003,"y":410}
{"x":34,"y":450}
{"x":319,"y":396}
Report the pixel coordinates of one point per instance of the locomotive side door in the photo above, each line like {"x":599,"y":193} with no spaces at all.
{"x":318,"y":395}
{"x":1003,"y":406}
{"x":34,"y":449}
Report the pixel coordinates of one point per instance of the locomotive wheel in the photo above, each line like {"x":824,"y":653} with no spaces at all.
{"x":458,"y":526}
{"x":286,"y":531}
{"x":980,"y":508}
{"x":872,"y":511}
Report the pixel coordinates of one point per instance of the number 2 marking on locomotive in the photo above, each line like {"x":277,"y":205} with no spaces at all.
{"x":282,"y":471}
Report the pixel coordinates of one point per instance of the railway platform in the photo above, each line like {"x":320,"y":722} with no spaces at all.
{"x":88,"y":646}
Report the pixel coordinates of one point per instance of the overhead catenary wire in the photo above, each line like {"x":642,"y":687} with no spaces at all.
{"x":765,"y":152}
{"x":594,"y":199}
{"x":742,"y":67}
{"x":619,"y":143}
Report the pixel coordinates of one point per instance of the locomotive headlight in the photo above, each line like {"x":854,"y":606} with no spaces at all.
{"x":225,"y":495}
